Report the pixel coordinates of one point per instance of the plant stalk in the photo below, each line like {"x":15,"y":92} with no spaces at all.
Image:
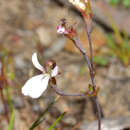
{"x":78,"y":44}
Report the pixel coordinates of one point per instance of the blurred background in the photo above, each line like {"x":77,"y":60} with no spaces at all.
{"x":28,"y":26}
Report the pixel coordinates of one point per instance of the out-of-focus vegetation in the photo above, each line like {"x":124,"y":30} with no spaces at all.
{"x":120,"y":50}
{"x":100,"y":60}
{"x":4,"y":59}
{"x":125,"y":3}
{"x":57,"y":120}
{"x":118,"y":44}
{"x":41,"y":116}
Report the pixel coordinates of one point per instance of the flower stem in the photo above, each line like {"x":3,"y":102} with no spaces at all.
{"x":99,"y":110}
{"x":78,"y":44}
{"x":90,"y":45}
{"x":65,"y":94}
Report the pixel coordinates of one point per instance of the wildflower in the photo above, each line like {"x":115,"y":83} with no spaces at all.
{"x":36,"y":85}
{"x":61,"y":30}
{"x":68,"y":31}
{"x":78,"y":4}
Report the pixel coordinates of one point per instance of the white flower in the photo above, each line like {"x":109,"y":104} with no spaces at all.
{"x":36,"y":85}
{"x":78,"y":3}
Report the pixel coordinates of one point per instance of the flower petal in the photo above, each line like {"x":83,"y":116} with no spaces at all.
{"x":61,"y":30}
{"x":36,"y":85}
{"x":54,"y":72}
{"x":79,"y":3}
{"x":36,"y":62}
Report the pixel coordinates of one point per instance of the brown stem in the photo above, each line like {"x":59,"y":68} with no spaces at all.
{"x":99,"y":111}
{"x":90,"y":45}
{"x":65,"y":94}
{"x":78,"y":44}
{"x":5,"y":106}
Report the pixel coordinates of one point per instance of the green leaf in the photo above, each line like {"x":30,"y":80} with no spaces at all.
{"x":10,"y":75}
{"x":11,"y":122}
{"x":100,"y":60}
{"x":110,"y":41}
{"x":38,"y":121}
{"x":58,"y":119}
{"x":90,"y":88}
{"x":126,"y":3}
{"x":126,"y":45}
{"x":9,"y":98}
{"x":12,"y":116}
{"x":114,"y":2}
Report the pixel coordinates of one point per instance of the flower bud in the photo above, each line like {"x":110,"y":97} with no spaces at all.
{"x":51,"y":64}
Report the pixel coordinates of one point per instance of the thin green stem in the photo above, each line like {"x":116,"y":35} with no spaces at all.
{"x":5,"y":106}
{"x":58,"y":119}
{"x":36,"y":123}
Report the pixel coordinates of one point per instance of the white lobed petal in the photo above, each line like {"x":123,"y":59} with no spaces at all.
{"x":36,"y":85}
{"x":36,"y":62}
{"x":54,"y":72}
